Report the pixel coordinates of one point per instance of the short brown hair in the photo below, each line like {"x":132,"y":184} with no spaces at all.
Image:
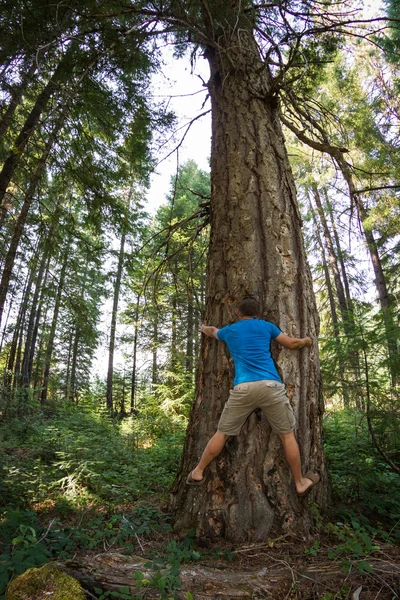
{"x":249,"y":307}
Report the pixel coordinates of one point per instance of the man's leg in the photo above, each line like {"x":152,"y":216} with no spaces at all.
{"x":211,"y":451}
{"x":292,"y":455}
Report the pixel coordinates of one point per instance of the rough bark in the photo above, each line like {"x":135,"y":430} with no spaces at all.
{"x":256,"y":247}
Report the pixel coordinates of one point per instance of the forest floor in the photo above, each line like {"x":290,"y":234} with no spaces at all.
{"x":81,"y":490}
{"x":337,"y":562}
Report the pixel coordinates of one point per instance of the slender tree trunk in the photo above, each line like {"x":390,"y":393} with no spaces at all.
{"x":339,"y":254}
{"x":117,"y":287}
{"x":21,"y":312}
{"x":189,"y":335}
{"x":332,"y":256}
{"x":39,"y":356}
{"x":134,"y":358}
{"x":72,"y":389}
{"x":328,"y":282}
{"x":256,"y":247}
{"x":32,"y":349}
{"x":21,"y":220}
{"x":332,"y":305}
{"x":13,"y":159}
{"x":380,"y":280}
{"x":174,"y":344}
{"x":16,"y":96}
{"x":25,"y":304}
{"x":68,"y":371}
{"x":154,"y":369}
{"x":30,"y":341}
{"x":74,"y":361}
{"x":52,"y":334}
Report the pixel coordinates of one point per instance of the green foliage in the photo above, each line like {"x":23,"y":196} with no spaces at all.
{"x":60,"y":458}
{"x":25,"y":542}
{"x":360,"y":477}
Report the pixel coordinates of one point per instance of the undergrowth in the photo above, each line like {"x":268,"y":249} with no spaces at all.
{"x":78,"y":480}
{"x":365,"y":489}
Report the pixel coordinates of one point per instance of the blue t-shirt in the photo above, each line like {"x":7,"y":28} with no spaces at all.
{"x":249,"y":342}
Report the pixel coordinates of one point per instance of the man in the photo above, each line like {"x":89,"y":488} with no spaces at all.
{"x":256,"y":385}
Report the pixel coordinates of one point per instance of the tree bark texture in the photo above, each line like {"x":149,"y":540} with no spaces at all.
{"x":256,"y":248}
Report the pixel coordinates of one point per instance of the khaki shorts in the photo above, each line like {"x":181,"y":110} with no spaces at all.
{"x":269,"y":395}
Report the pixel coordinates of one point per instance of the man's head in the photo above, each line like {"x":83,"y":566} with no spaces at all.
{"x":249,"y":307}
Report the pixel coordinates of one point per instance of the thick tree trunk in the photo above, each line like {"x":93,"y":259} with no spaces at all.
{"x":117,"y":287}
{"x":256,"y":247}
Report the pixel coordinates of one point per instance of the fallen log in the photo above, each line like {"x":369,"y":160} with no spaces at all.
{"x":113,"y":571}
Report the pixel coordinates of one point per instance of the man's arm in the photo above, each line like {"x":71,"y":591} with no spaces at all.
{"x":293,"y":343}
{"x":209,"y":331}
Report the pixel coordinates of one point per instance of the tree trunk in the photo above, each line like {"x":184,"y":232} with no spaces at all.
{"x":21,"y":220}
{"x":332,"y":256}
{"x":256,"y":247}
{"x":50,"y":343}
{"x":332,"y":305}
{"x":380,"y":281}
{"x":189,"y":336}
{"x":154,"y":368}
{"x":13,"y":159}
{"x":339,"y":253}
{"x":16,"y":96}
{"x":30,"y":341}
{"x":117,"y":287}
{"x":68,"y":371}
{"x":134,"y":359}
{"x":328,"y":282}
